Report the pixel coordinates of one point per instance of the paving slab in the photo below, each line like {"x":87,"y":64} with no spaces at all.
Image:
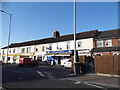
{"x":96,"y":79}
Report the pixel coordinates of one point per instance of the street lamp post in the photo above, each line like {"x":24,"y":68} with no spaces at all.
{"x":74,"y":34}
{"x":9,"y":32}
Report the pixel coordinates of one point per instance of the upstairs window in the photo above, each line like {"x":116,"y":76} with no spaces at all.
{"x":3,"y":52}
{"x":13,"y":50}
{"x":23,"y":50}
{"x":43,"y":48}
{"x":79,"y":44}
{"x":68,"y":45}
{"x":119,"y":40}
{"x":27,"y":50}
{"x":36,"y":50}
{"x":50,"y":46}
{"x":9,"y":51}
{"x":99,"y":43}
{"x":108,"y":42}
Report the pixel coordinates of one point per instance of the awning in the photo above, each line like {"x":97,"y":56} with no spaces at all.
{"x":50,"y":54}
{"x":59,"y":54}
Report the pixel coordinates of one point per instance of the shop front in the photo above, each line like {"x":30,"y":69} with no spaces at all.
{"x":39,"y":56}
{"x":59,"y":55}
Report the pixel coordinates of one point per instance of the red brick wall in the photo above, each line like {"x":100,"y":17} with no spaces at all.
{"x":94,"y":43}
{"x":115,"y":42}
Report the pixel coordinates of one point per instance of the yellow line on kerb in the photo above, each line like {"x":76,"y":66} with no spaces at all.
{"x":18,"y":54}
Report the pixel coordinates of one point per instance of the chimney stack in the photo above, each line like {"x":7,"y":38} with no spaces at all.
{"x":56,"y":34}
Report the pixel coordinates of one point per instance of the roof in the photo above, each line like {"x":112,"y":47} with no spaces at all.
{"x":108,"y":34}
{"x":81,"y":35}
{"x":106,"y":49}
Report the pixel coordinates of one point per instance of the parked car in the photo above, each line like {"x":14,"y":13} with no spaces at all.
{"x":68,"y":63}
{"x":64,"y":60}
{"x":27,"y":62}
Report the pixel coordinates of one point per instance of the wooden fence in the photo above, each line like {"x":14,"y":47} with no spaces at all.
{"x":107,"y":64}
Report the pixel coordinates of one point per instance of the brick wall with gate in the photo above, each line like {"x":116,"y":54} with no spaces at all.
{"x":107,"y":64}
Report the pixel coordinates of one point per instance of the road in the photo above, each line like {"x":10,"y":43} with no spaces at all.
{"x":40,"y":77}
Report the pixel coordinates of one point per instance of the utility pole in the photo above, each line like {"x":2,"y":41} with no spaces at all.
{"x":9,"y":32}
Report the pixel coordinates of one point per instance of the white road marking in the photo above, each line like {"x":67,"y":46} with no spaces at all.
{"x":40,"y":73}
{"x":0,"y":88}
{"x":93,"y":85}
{"x":103,"y":84}
{"x":78,"y":82}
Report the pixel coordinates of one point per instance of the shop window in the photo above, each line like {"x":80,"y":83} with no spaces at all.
{"x":79,"y":44}
{"x":99,"y":43}
{"x":14,"y":58}
{"x":39,"y":58}
{"x":108,"y":42}
{"x":3,"y":58}
{"x":8,"y":58}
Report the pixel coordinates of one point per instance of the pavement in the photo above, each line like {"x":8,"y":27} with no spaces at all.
{"x":101,"y":80}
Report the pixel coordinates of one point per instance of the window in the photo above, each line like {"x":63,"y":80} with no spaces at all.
{"x":108,"y":42}
{"x":79,"y":44}
{"x":50,"y":46}
{"x":99,"y":43}
{"x":68,"y":45}
{"x":13,"y":50}
{"x":3,"y":52}
{"x":98,"y":54}
{"x":119,"y":40}
{"x":23,"y":50}
{"x":116,"y":53}
{"x":43,"y":48}
{"x":9,"y":51}
{"x":3,"y":58}
{"x":57,"y":46}
{"x":36,"y":49}
{"x":27,"y":50}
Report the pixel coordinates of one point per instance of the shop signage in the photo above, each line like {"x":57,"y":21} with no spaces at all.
{"x":59,"y":51}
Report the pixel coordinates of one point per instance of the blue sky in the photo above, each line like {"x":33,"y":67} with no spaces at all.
{"x":38,"y":20}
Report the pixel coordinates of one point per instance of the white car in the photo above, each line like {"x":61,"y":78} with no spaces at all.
{"x":68,"y":64}
{"x":64,"y":60}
